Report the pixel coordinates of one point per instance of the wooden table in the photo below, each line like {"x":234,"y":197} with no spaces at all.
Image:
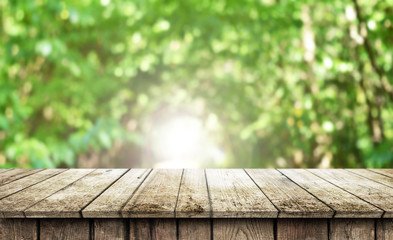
{"x":196,"y":204}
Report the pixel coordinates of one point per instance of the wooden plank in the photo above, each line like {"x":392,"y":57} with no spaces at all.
{"x":239,"y":229}
{"x":384,"y":229}
{"x":234,"y":194}
{"x":18,"y":229}
{"x":2,"y":170}
{"x":68,"y":202}
{"x":386,"y":172}
{"x":153,"y":229}
{"x":295,"y":229}
{"x":157,"y":195}
{"x":64,"y":229}
{"x":289,"y":198}
{"x":190,"y":229}
{"x":20,"y":184}
{"x":373,"y":176}
{"x":110,"y":202}
{"x":109,"y":229}
{"x":370,"y":191}
{"x":193,"y":200}
{"x":14,"y":205}
{"x":16,"y":174}
{"x":345,"y":204}
{"x":352,"y":229}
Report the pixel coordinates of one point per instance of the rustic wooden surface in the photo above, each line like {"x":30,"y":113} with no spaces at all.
{"x":302,"y":229}
{"x":109,"y":229}
{"x":13,"y":228}
{"x":290,"y":199}
{"x":190,"y":229}
{"x":368,"y":190}
{"x":243,"y":229}
{"x":15,"y":174}
{"x":345,"y":204}
{"x":193,"y":199}
{"x":16,"y":204}
{"x":352,"y":229}
{"x":110,"y":202}
{"x":384,"y":229}
{"x":20,"y":184}
{"x":68,"y":202}
{"x":210,"y":193}
{"x":64,"y":229}
{"x":157,"y":195}
{"x":234,"y":194}
{"x":153,"y":229}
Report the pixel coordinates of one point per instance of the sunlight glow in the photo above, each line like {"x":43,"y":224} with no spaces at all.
{"x":179,"y":142}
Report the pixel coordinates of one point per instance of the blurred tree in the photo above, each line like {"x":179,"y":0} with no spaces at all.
{"x":292,"y":83}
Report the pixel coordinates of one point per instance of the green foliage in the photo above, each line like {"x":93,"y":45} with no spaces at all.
{"x":293,"y":83}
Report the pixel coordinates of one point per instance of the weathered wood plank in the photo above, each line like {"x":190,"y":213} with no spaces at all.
{"x":68,"y":202}
{"x":110,"y":202}
{"x":152,"y":229}
{"x":14,"y":205}
{"x":352,"y":229}
{"x":384,"y":229}
{"x":2,"y":170}
{"x":64,"y":229}
{"x":373,"y":176}
{"x":15,"y":174}
{"x":288,"y":229}
{"x":157,"y":195}
{"x":193,"y":199}
{"x":109,"y":229}
{"x":22,"y":183}
{"x":386,"y":172}
{"x":370,"y":191}
{"x":289,"y":198}
{"x":234,"y":194}
{"x":345,"y":204}
{"x":190,"y":229}
{"x":18,"y":229}
{"x":243,"y":229}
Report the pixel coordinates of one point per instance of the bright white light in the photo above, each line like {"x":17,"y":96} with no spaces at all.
{"x":105,"y":2}
{"x":178,"y":142}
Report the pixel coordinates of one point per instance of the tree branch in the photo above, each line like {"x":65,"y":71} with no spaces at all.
{"x":387,"y":88}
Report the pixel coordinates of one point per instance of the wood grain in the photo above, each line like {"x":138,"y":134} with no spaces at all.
{"x":157,"y":196}
{"x":20,"y":184}
{"x":234,"y":194}
{"x":243,"y":229}
{"x":2,"y":170}
{"x":18,"y":229}
{"x":193,"y":200}
{"x":141,"y":229}
{"x":345,"y":204}
{"x":194,"y":229}
{"x":110,"y":202}
{"x":373,"y":176}
{"x":370,"y":191}
{"x":289,"y":198}
{"x":68,"y":202}
{"x":14,"y":205}
{"x":288,"y":229}
{"x":15,"y":174}
{"x":386,"y":172}
{"x":352,"y":229}
{"x":384,"y":229}
{"x":109,"y":229}
{"x":64,"y":229}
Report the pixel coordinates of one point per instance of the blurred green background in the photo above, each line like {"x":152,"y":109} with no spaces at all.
{"x":196,"y":83}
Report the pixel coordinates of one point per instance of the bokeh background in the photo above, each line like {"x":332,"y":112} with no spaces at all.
{"x":196,"y":83}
